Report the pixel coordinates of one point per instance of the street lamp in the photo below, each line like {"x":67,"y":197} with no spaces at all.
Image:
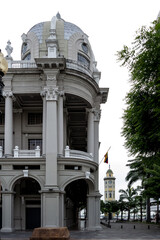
{"x":3,"y":71}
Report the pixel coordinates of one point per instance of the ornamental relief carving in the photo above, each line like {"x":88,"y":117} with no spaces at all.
{"x":51,"y":77}
{"x":51,"y":94}
{"x":7,"y":93}
{"x":97,"y":114}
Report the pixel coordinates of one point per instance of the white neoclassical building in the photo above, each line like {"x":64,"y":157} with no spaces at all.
{"x":49,"y":130}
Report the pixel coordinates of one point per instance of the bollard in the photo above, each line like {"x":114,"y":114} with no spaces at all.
{"x":121,"y":226}
{"x":134,"y":227}
{"x":148,"y":226}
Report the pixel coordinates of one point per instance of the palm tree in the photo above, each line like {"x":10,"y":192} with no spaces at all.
{"x":138,"y":172}
{"x":122,"y":207}
{"x":128,"y":195}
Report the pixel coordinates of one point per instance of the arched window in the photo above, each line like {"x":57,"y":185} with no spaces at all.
{"x":83,"y":60}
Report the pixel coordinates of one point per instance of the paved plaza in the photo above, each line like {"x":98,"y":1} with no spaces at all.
{"x":117,"y":231}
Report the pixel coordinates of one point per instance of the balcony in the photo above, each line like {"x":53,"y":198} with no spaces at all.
{"x":17,"y":153}
{"x":22,"y":64}
{"x":70,"y":64}
{"x":77,"y":154}
{"x":26,"y":153}
{"x":36,"y":153}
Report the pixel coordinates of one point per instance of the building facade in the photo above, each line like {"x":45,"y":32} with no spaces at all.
{"x":49,"y":130}
{"x":109,"y":186}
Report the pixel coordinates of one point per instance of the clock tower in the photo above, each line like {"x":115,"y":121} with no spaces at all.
{"x":109,"y":186}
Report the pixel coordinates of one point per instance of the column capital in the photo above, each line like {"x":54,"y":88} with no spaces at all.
{"x":61,"y":93}
{"x":97,"y":114}
{"x":51,"y":93}
{"x":7,"y":93}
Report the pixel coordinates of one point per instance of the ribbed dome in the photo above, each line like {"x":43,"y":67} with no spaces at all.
{"x":69,"y":30}
{"x":58,"y":38}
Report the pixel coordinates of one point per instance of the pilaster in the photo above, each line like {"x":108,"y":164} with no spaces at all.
{"x":97,"y":115}
{"x":90,"y":132}
{"x":93,"y":211}
{"x":60,"y":123}
{"x":8,"y":122}
{"x":7,"y":211}
{"x":51,"y":97}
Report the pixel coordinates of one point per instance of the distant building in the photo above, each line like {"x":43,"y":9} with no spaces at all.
{"x":109,"y":186}
{"x":49,"y":130}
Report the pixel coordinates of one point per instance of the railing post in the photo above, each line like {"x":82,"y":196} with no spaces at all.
{"x":67,"y":151}
{"x":37,"y":151}
{"x":16,"y":151}
{"x":0,"y":151}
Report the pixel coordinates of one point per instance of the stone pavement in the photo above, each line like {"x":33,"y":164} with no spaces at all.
{"x":117,"y":231}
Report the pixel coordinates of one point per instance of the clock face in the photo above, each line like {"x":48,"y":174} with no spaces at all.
{"x":85,"y":47}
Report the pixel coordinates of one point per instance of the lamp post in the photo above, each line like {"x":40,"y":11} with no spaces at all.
{"x":3,"y":71}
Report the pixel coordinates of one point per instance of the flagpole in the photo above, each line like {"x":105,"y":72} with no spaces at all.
{"x":103,"y":157}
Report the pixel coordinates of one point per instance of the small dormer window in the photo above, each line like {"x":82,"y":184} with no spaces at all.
{"x":83,"y":60}
{"x":85,"y":47}
{"x":24,"y":48}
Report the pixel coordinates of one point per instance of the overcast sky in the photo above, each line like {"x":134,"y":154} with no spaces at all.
{"x":109,"y":25}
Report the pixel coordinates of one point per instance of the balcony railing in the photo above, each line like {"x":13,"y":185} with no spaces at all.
{"x":77,"y":66}
{"x":32,"y":64}
{"x":77,"y":154}
{"x":22,"y":64}
{"x":26,"y":153}
{"x":68,"y":153}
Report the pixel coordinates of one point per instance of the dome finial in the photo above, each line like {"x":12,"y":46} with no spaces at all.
{"x":58,"y":15}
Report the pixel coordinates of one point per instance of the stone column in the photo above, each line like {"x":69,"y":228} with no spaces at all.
{"x":51,"y":136}
{"x":90,"y":132}
{"x":44,"y":124}
{"x":60,"y":124}
{"x":50,"y":208}
{"x":93,"y":211}
{"x":97,"y":114}
{"x":90,"y":212}
{"x":8,"y":123}
{"x":7,"y":211}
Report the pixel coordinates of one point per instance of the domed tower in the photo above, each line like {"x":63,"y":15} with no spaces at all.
{"x":109,"y":186}
{"x":50,"y":132}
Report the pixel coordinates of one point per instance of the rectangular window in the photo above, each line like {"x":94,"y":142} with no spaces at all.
{"x":34,"y":118}
{"x":33,"y":143}
{"x":2,"y":117}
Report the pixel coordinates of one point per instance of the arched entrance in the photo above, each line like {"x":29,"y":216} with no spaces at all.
{"x":27,"y":204}
{"x":75,"y":200}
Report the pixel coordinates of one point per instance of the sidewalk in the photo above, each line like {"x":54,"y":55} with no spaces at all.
{"x":117,"y":231}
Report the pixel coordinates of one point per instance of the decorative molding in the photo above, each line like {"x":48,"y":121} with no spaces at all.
{"x":61,"y":93}
{"x":97,"y":114}
{"x":7,"y":93}
{"x":51,"y":93}
{"x":51,"y":77}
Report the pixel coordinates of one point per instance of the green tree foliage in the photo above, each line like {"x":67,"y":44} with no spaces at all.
{"x":129,"y":194}
{"x":152,"y":184}
{"x":142,"y":117}
{"x":141,"y":128}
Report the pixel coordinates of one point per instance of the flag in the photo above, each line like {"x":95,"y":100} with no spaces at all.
{"x":106,"y":158}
